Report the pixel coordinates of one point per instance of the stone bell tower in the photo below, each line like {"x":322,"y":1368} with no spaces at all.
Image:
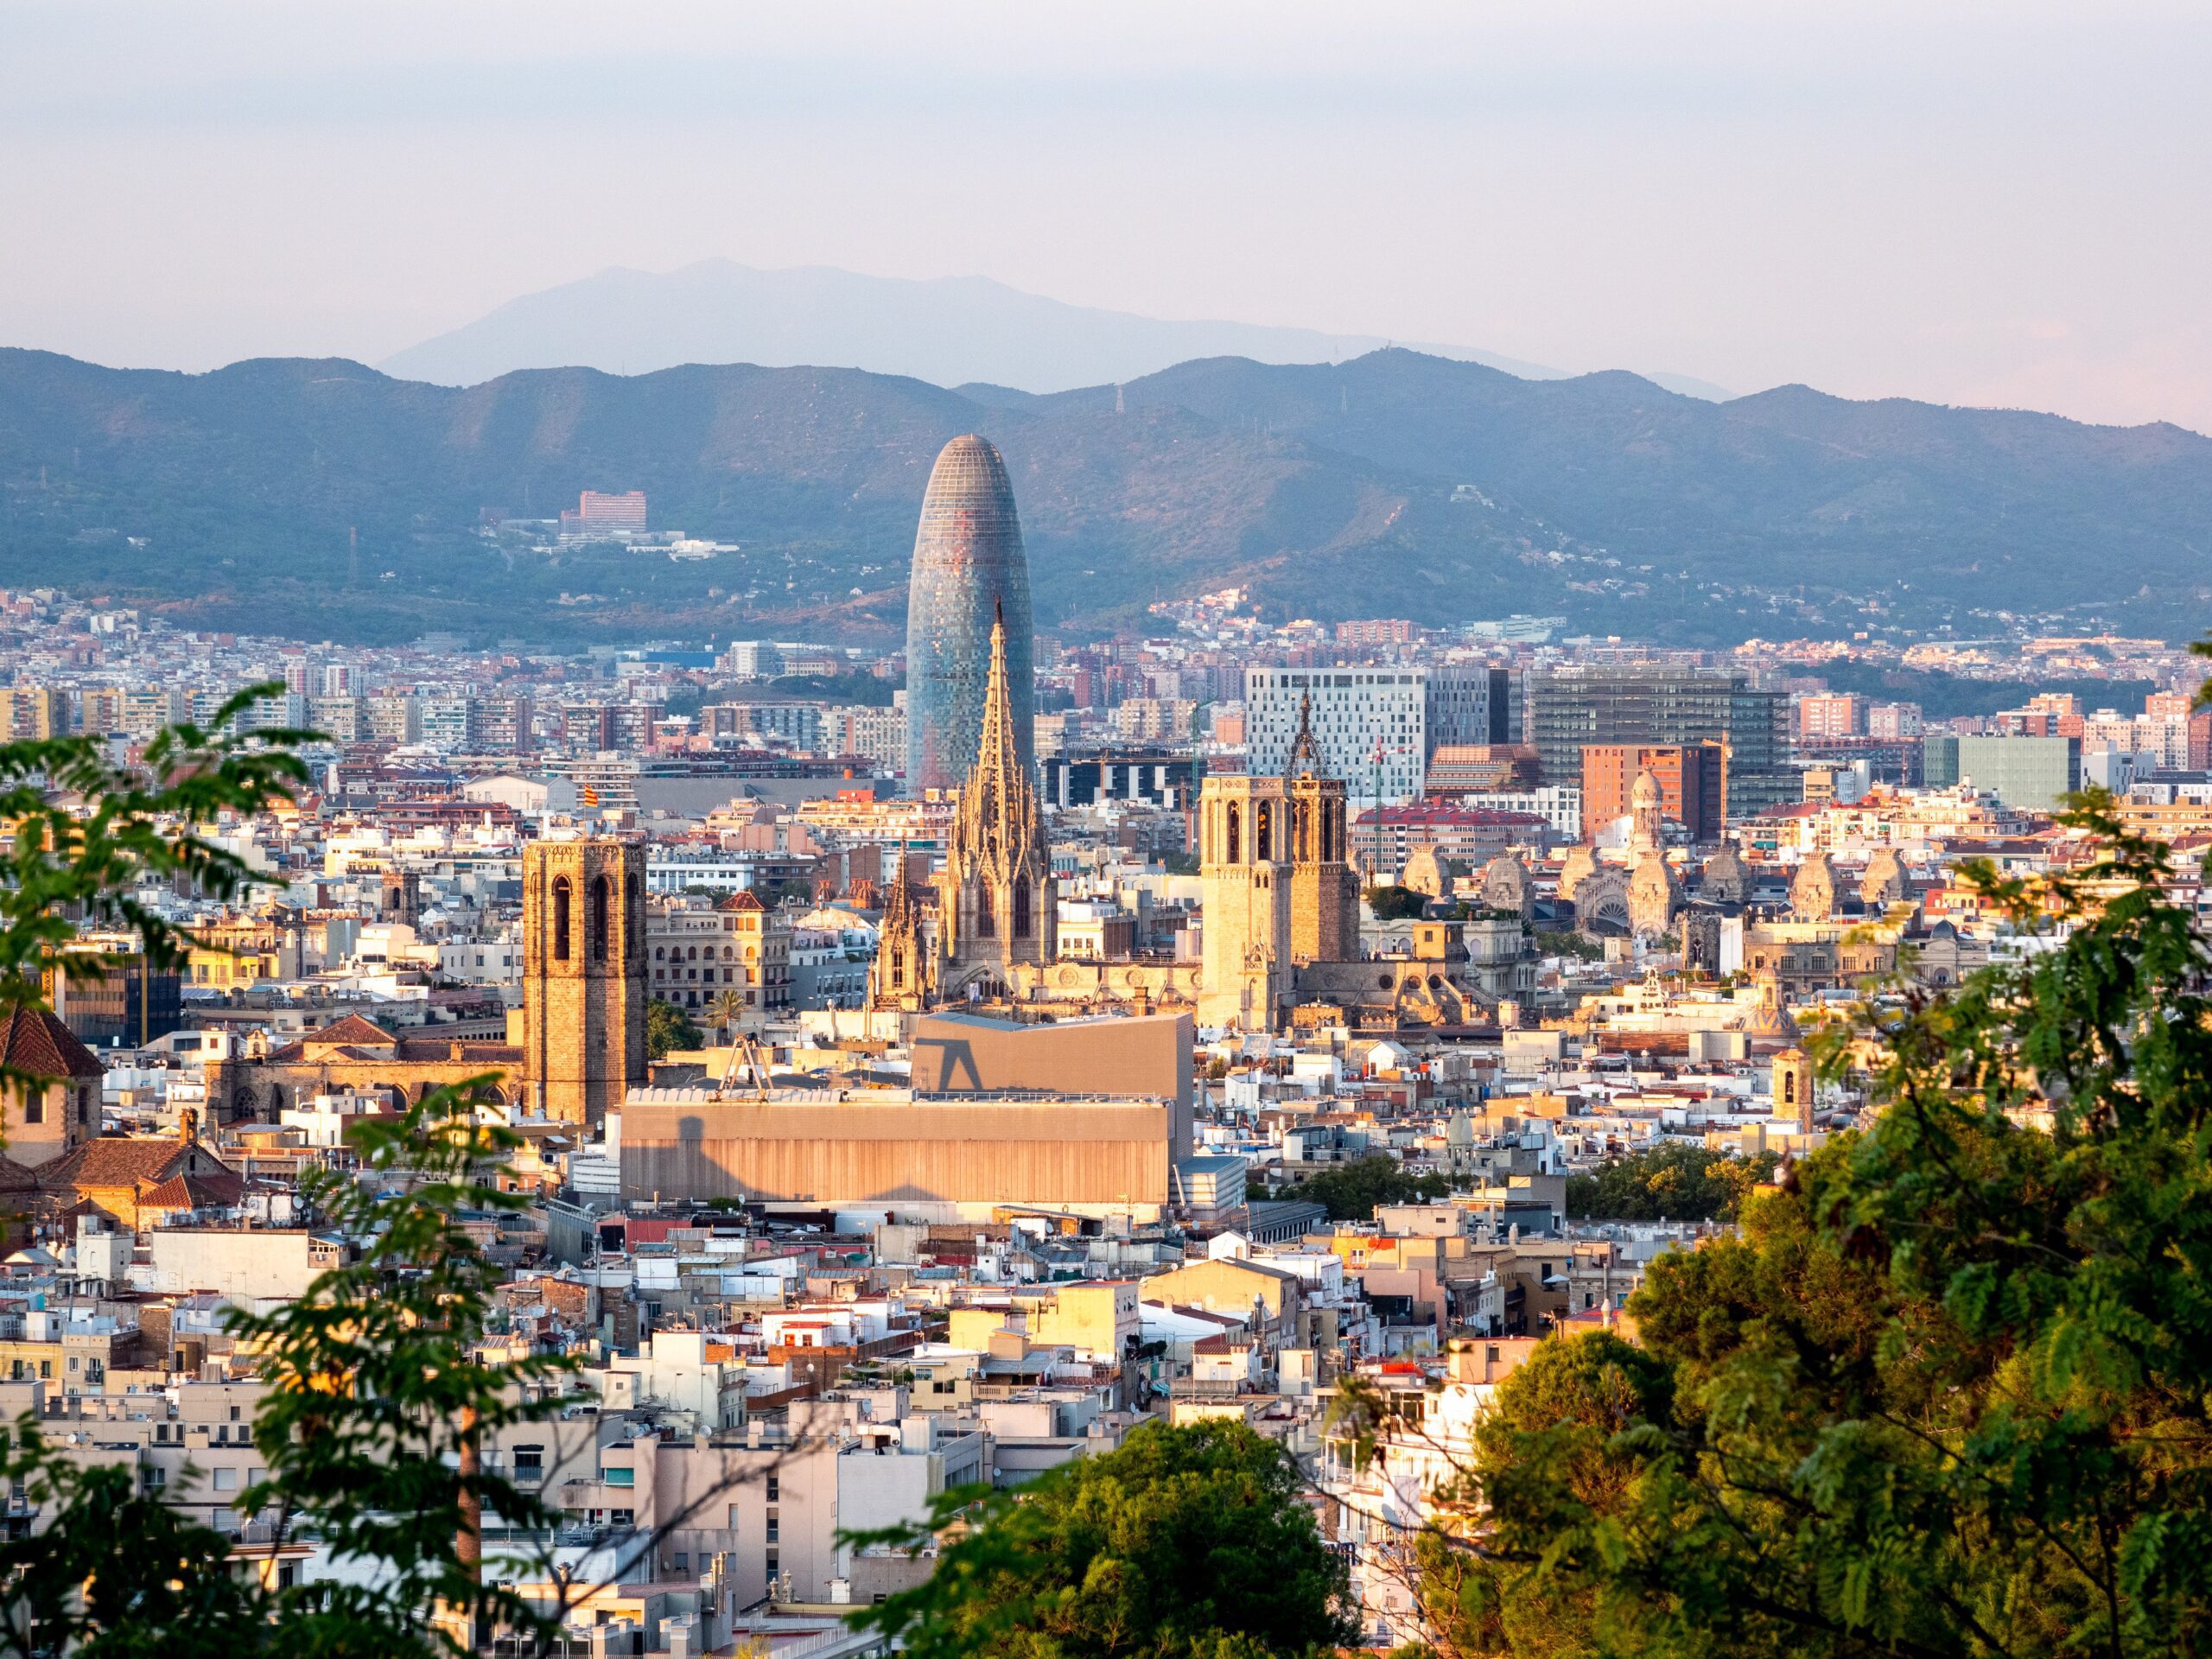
{"x":584,"y":934}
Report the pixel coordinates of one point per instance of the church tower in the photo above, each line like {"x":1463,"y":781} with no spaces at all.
{"x":997,"y":902}
{"x":584,"y":933}
{"x":1246,"y":924}
{"x":904,"y":973}
{"x":1324,"y":893}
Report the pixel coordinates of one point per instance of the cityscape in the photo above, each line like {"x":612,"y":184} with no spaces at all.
{"x":895,"y":1056}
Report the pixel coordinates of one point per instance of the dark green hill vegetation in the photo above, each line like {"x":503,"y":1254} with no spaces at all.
{"x":320,"y":497}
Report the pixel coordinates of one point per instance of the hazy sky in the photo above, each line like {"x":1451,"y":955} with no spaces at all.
{"x":1987,"y":204}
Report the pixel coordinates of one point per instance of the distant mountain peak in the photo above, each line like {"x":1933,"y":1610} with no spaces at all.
{"x":947,"y":330}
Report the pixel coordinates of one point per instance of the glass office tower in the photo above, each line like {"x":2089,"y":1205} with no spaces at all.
{"x":968,"y":562}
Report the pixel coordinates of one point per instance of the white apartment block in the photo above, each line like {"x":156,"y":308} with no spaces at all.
{"x":1370,"y":722}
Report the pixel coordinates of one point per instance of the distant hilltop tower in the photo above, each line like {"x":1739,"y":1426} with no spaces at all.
{"x":968,"y":564}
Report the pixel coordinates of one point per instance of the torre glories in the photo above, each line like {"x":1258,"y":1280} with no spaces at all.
{"x":968,"y":564}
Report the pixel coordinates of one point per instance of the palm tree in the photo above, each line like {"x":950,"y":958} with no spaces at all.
{"x":724,"y":1009}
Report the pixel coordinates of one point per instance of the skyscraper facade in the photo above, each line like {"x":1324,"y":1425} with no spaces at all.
{"x":1573,"y":707}
{"x":968,"y":564}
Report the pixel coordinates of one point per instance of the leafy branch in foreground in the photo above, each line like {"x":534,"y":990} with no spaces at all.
{"x":1182,"y":1543}
{"x":87,"y":833}
{"x":379,"y":1401}
{"x":1950,"y":1392}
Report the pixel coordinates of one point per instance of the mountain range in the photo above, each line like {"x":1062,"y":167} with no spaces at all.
{"x":323,"y":498}
{"x":946,"y":331}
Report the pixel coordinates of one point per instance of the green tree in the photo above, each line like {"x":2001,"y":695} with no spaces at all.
{"x":1680,"y":1183}
{"x":379,"y":1399}
{"x":1396,"y":904}
{"x":1950,"y":1392}
{"x":93,"y":841}
{"x":380,"y":1395}
{"x":725,"y":1009}
{"x":116,"y":1572}
{"x":667,"y":1029}
{"x":1182,"y":1543}
{"x":1351,"y":1191}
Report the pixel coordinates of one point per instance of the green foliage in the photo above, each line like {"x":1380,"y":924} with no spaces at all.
{"x":87,"y":834}
{"x":378,"y":1399}
{"x":872,"y":691}
{"x":1185,"y":1543}
{"x":1351,"y":1191}
{"x":1565,"y":941}
{"x":1948,"y":1392}
{"x":1680,"y":1183}
{"x":669,"y":1028}
{"x":1396,"y":904}
{"x":379,"y":1396}
{"x":119,"y":1574}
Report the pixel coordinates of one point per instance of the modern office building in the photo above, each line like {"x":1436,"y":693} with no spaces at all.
{"x":1150,"y":777}
{"x":1655,"y":703}
{"x":1371,"y":725}
{"x":1692,"y":785}
{"x":968,"y":568}
{"x":1472,"y":702}
{"x":2029,"y":775}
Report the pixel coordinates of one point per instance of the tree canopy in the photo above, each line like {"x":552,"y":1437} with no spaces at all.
{"x":1351,"y":1191}
{"x":1184,"y":1544}
{"x":669,"y":1028}
{"x":1674,"y":1182}
{"x":1949,"y":1392}
{"x":1392,"y":904}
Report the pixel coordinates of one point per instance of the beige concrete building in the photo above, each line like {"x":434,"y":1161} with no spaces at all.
{"x":942,"y":1158}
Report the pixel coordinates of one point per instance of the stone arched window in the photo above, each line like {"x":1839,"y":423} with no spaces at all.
{"x":1024,"y":923}
{"x":1263,"y":833}
{"x":602,"y":903}
{"x":983,"y":924}
{"x":561,"y":920}
{"x":1236,"y":836}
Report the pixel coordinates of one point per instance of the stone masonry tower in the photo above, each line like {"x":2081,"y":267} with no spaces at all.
{"x":1244,"y":863}
{"x":1324,"y":893}
{"x":583,"y":931}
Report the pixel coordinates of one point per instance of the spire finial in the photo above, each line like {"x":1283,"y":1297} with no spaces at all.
{"x":1305,"y":750}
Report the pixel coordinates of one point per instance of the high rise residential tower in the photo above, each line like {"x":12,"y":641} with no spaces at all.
{"x":968,"y":563}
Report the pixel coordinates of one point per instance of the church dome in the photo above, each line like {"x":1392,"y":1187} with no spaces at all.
{"x":1645,"y":791}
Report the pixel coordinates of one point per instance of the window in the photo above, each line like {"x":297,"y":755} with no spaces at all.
{"x":618,"y":1475}
{"x":775,"y":1530}
{"x":602,"y":896}
{"x":622,"y":1517}
{"x":683,"y":1562}
{"x":34,"y":1108}
{"x":562,"y":921}
{"x":529,"y":1464}
{"x":1022,"y":921}
{"x":775,"y":1489}
{"x":227,"y":1480}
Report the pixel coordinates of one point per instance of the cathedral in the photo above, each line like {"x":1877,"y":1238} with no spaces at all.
{"x":997,"y":905}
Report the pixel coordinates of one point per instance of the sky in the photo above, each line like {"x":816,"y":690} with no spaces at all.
{"x":1990,"y":204}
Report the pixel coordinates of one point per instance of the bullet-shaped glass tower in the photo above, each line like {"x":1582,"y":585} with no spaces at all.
{"x":968,"y":564}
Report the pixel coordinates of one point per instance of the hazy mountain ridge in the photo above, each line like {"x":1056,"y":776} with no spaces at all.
{"x":948,"y":330}
{"x":1327,"y":487}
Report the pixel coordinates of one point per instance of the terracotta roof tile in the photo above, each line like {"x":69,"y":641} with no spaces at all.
{"x":353,"y":1029}
{"x":116,"y":1160}
{"x":35,"y":1041}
